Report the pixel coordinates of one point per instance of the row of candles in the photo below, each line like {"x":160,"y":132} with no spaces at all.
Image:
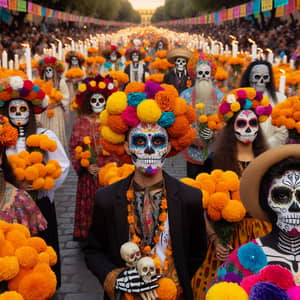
{"x":215,"y":47}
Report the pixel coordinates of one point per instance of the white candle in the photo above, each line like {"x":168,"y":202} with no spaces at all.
{"x":226,"y":50}
{"x":53,"y":47}
{"x":213,"y":48}
{"x":11,"y":64}
{"x":253,"y":51}
{"x":72,"y":45}
{"x":60,"y":50}
{"x":28,"y":62}
{"x":221,"y":48}
{"x":271,"y":57}
{"x":284,"y":59}
{"x":282,"y":84}
{"x":292,"y":64}
{"x":81,"y":47}
{"x":234,"y":49}
{"x":16,"y":57}
{"x":4,"y":59}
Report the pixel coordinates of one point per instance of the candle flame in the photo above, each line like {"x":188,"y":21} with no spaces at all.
{"x":269,"y":50}
{"x":232,"y":36}
{"x":251,"y":41}
{"x":25,"y":45}
{"x":282,"y":71}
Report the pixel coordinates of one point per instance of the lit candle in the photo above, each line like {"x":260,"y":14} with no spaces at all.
{"x":72,"y":45}
{"x":4,"y":59}
{"x":292,"y":64}
{"x":11,"y":64}
{"x":284,"y":59}
{"x":81,"y":47}
{"x":270,"y":56}
{"x":234,"y":48}
{"x":282,"y":81}
{"x":16,"y":58}
{"x":59,"y":50}
{"x":28,"y":61}
{"x":221,"y":48}
{"x":213,"y":47}
{"x":226,"y":50}
{"x":253,"y":51}
{"x":53,"y":47}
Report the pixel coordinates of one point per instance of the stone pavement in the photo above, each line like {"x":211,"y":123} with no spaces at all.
{"x":78,"y":283}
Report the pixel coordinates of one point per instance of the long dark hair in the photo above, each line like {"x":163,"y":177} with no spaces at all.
{"x":8,"y":174}
{"x":245,"y":80}
{"x":31,"y":126}
{"x":225,"y":148}
{"x":276,"y":171}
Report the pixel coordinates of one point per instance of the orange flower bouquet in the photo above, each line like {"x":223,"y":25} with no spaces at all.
{"x":221,"y":200}
{"x":236,"y":67}
{"x":119,"y":76}
{"x":157,"y":77}
{"x":287,"y":113}
{"x":111,"y":173}
{"x":84,"y":153}
{"x":74,"y":73}
{"x":29,"y":166}
{"x":162,"y":65}
{"x":25,"y":264}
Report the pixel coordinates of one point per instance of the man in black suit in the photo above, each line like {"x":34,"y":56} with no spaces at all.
{"x":178,"y":76}
{"x":168,"y":221}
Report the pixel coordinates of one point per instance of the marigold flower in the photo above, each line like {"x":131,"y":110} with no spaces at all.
{"x":37,"y":243}
{"x":17,"y":238}
{"x":234,"y":211}
{"x":87,"y":140}
{"x":9,"y":267}
{"x":49,"y":183}
{"x":167,"y":289}
{"x":52,"y":255}
{"x":27,"y":257}
{"x":36,"y":157}
{"x":11,"y":295}
{"x":84,"y":162}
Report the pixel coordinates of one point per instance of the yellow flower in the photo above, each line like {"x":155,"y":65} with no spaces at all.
{"x":200,"y":105}
{"x":82,"y":87}
{"x":148,"y":111}
{"x":93,"y":83}
{"x":86,"y":140}
{"x":101,"y":85}
{"x":235,"y":106}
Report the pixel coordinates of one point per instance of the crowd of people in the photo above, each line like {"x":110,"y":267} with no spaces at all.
{"x":139,"y":97}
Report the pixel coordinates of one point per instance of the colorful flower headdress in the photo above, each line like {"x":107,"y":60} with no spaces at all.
{"x":199,"y":58}
{"x":8,"y":133}
{"x":53,"y":62}
{"x":245,"y":98}
{"x":72,"y":53}
{"x":131,"y":50}
{"x":93,"y":85}
{"x":107,"y":51}
{"x":16,"y":87}
{"x":157,"y":103}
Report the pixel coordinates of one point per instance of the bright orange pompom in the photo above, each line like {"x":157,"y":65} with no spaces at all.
{"x":167,"y":289}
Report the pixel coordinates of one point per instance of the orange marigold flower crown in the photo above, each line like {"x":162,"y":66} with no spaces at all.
{"x":199,"y":58}
{"x":156,"y":104}
{"x":52,"y":62}
{"x":15,"y":87}
{"x":245,"y":98}
{"x":77,"y":54}
{"x":8,"y":133}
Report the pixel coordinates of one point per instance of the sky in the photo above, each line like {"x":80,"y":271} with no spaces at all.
{"x":152,"y":4}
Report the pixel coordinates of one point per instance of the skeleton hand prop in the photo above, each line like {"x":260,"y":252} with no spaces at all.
{"x":206,"y":133}
{"x":129,"y":281}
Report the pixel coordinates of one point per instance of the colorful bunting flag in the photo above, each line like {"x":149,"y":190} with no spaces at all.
{"x":290,"y":8}
{"x":249,"y":8}
{"x":3,"y":3}
{"x":266,"y":5}
{"x":256,"y":7}
{"x":278,"y":3}
{"x":279,"y":11}
{"x":229,"y":13}
{"x":243,"y":10}
{"x":236,"y":12}
{"x":12,"y":4}
{"x":298,"y":4}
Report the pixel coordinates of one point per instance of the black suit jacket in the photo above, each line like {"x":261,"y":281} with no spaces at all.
{"x":109,"y":230}
{"x":179,"y":84}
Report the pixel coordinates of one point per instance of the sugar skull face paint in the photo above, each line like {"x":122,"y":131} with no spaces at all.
{"x":18,"y":112}
{"x":284,"y":200}
{"x":148,"y":146}
{"x":246,"y":126}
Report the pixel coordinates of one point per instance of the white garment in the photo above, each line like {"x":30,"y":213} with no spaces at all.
{"x":59,"y":154}
{"x":63,"y":87}
{"x":275,"y":136}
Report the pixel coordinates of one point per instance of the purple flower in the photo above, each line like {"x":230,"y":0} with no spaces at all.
{"x":242,"y":101}
{"x":232,"y":277}
{"x":268,"y":110}
{"x":151,"y":88}
{"x":24,"y":92}
{"x":267,"y":291}
{"x":224,"y":108}
{"x":260,"y":110}
{"x":259,"y":95}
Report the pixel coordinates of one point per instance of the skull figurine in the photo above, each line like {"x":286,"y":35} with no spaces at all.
{"x":148,"y":147}
{"x":18,"y":112}
{"x":284,"y":200}
{"x":146,"y":268}
{"x":130,"y":253}
{"x":113,"y":56}
{"x":260,"y":77}
{"x":74,"y":61}
{"x":180,"y":64}
{"x":97,"y":102}
{"x":49,"y":72}
{"x":246,"y":126}
{"x":203,"y":72}
{"x":135,"y":57}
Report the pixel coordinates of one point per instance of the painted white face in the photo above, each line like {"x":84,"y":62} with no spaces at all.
{"x":160,"y":45}
{"x":74,"y":61}
{"x":203,"y":72}
{"x":113,"y":56}
{"x":259,"y":77}
{"x":97,"y":103}
{"x":49,"y":72}
{"x":284,"y":200}
{"x":180,"y":64}
{"x":18,"y":112}
{"x":148,"y":146}
{"x":135,"y":57}
{"x":246,"y":126}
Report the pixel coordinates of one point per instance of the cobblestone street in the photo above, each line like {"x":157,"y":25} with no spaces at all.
{"x":77,"y":281}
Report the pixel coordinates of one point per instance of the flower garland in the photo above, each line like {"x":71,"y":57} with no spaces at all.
{"x":53,"y":62}
{"x":86,"y":157}
{"x":28,"y":165}
{"x":245,"y":98}
{"x":25,"y":264}
{"x":77,"y":54}
{"x":221,"y":200}
{"x":8,"y":133}
{"x":147,"y":250}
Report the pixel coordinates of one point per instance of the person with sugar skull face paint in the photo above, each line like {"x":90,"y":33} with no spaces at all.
{"x":50,"y":70}
{"x":236,"y":145}
{"x":91,"y":100}
{"x":202,"y":70}
{"x":137,"y":69}
{"x":179,"y":76}
{"x":259,"y":75}
{"x":25,"y":101}
{"x":270,"y":188}
{"x":161,"y":215}
{"x":112,"y":55}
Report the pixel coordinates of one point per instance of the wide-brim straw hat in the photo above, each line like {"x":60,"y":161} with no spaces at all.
{"x":253,"y":174}
{"x":179,"y":52}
